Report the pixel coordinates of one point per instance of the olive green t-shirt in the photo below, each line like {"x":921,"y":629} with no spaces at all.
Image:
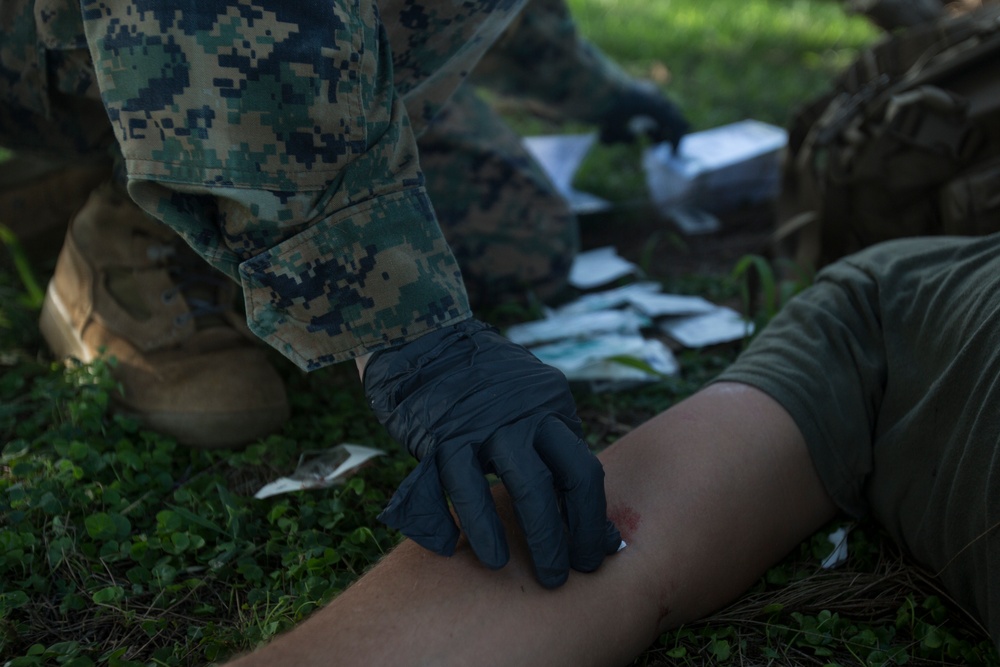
{"x":890,"y":366}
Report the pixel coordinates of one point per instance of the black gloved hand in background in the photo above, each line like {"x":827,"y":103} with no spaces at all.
{"x":466,"y":401}
{"x":643,"y":110}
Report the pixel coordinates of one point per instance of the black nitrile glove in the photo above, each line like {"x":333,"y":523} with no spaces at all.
{"x":642,"y":110}
{"x":466,"y":401}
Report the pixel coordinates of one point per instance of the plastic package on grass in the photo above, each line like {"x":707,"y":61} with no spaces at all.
{"x":321,"y":470}
{"x":719,"y":169}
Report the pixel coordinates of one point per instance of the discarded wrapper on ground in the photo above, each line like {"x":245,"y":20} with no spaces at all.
{"x":321,"y":470}
{"x":599,"y":338}
{"x":560,"y":156}
{"x":719,"y":169}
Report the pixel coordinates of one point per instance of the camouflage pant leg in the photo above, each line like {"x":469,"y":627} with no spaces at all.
{"x":276,"y":138}
{"x":49,"y":100}
{"x":509,"y":229}
{"x":543,"y":57}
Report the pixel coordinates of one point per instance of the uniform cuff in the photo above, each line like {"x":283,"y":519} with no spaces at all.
{"x":371,"y":276}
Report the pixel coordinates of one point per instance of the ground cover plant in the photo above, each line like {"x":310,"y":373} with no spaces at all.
{"x":119,"y":547}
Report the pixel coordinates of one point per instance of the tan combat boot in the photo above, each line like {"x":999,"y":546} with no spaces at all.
{"x":128,"y":287}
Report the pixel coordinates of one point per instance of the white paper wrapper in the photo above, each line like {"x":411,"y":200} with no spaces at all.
{"x":589,"y":359}
{"x":722,"y":325}
{"x":718,"y":169}
{"x":612,"y":298}
{"x":660,"y":305}
{"x":560,"y":156}
{"x":322,"y":470}
{"x":599,"y":267}
{"x":598,"y":337}
{"x":581,"y":325}
{"x":838,"y":539}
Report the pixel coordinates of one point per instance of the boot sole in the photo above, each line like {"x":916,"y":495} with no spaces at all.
{"x":54,"y":324}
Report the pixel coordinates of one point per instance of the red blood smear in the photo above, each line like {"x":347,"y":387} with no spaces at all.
{"x":626,"y":519}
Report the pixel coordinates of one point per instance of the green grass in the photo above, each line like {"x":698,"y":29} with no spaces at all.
{"x":119,"y":547}
{"x":728,"y":60}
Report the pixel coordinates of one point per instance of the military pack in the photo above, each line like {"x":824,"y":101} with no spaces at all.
{"x":906,"y":143}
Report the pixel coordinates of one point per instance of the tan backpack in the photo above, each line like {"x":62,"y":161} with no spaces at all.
{"x":907,"y":143}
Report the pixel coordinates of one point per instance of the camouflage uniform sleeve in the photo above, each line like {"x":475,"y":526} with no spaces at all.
{"x":269,"y":135}
{"x":575,"y":79}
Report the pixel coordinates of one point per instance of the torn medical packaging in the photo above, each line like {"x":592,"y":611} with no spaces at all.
{"x":719,"y":169}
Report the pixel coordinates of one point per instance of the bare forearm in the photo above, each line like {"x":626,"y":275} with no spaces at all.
{"x":707,"y":495}
{"x":361,"y":362}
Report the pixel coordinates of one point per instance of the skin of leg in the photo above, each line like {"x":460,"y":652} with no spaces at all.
{"x":708,"y":495}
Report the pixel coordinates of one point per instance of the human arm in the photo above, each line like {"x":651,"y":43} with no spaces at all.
{"x":543,"y":57}
{"x":895,"y":431}
{"x":292,"y":167}
{"x":685,"y":487}
{"x":283,"y":154}
{"x":466,"y":402}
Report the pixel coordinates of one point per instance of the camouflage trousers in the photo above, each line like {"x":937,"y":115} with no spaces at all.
{"x":508,"y":229}
{"x":511,"y":232}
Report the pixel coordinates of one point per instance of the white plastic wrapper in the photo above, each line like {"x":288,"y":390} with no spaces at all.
{"x":660,"y":305}
{"x":589,"y":359}
{"x":718,"y":169}
{"x":612,"y":298}
{"x":598,"y":338}
{"x":560,"y":156}
{"x":600,"y":266}
{"x":838,"y":539}
{"x":321,"y":470}
{"x":721,"y":325}
{"x":581,"y":325}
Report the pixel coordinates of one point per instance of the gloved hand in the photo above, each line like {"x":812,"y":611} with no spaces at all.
{"x":466,"y":401}
{"x":643,"y":110}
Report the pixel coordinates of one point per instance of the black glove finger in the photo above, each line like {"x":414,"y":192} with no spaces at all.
{"x":463,"y":479}
{"x":643,"y":110}
{"x":536,"y":503}
{"x":419,"y":510}
{"x":670,"y":125}
{"x":579,"y":477}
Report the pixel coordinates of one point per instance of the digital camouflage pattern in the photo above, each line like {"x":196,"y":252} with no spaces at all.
{"x":280,"y":143}
{"x":49,"y":101}
{"x":510,"y":230}
{"x":271,"y":136}
{"x":577,"y":81}
{"x":507,"y":225}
